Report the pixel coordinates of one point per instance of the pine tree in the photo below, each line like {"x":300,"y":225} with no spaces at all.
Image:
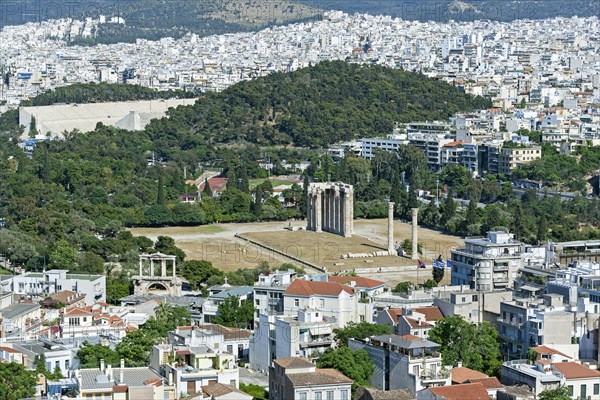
{"x":448,"y":208}
{"x":160,"y":191}
{"x":517,"y":223}
{"x":438,"y":273}
{"x":243,"y":181}
{"x":258,"y":196}
{"x":207,"y":191}
{"x":542,"y":229}
{"x":471,"y":217}
{"x":304,"y":199}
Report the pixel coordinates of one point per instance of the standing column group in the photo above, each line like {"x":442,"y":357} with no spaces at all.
{"x":330,"y":208}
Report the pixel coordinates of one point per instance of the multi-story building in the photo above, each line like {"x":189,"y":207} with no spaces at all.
{"x":268,"y":291}
{"x":403,"y":362}
{"x":308,"y":335}
{"x":42,"y":284}
{"x":311,"y":310}
{"x":513,"y":157}
{"x":524,"y":323}
{"x":546,"y":374}
{"x":490,"y":263}
{"x":297,"y":378}
{"x":188,"y":368}
{"x":110,"y":383}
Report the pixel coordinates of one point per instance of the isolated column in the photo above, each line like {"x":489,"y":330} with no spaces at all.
{"x":415,"y":225}
{"x":391,"y":249}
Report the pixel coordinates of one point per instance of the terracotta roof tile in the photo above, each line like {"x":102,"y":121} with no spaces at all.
{"x":322,"y":376}
{"x":573,"y":370}
{"x":120,"y":389}
{"x":300,"y":287}
{"x":467,"y":391}
{"x":431,"y":313}
{"x":394,"y":313}
{"x":361,"y":282}
{"x":488,"y":383}
{"x":548,"y":350}
{"x":77,"y":312}
{"x":219,"y":389}
{"x":415,"y":323}
{"x":293,"y":362}
{"x":463,"y":374}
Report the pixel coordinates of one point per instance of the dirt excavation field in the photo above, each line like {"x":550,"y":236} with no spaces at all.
{"x":217,"y":243}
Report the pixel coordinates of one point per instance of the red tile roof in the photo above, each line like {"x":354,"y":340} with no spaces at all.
{"x":415,"y":323}
{"x":214,"y":183}
{"x":467,"y":391}
{"x":120,"y":389}
{"x":77,"y":312}
{"x":294,"y":362}
{"x":300,"y":287}
{"x":463,"y":374}
{"x":488,"y":383}
{"x":431,"y":313}
{"x":360,"y":282}
{"x":573,"y":370}
{"x":219,"y":389}
{"x":394,"y":313}
{"x":548,"y":350}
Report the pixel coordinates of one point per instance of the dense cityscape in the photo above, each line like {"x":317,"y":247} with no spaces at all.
{"x":349,"y":207}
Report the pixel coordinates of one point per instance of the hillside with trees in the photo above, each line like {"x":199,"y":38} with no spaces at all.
{"x":103,"y":92}
{"x":318,"y":106}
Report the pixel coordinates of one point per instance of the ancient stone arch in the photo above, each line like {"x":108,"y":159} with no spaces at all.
{"x":151,"y":279}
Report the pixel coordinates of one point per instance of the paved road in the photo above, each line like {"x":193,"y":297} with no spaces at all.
{"x":249,"y":376}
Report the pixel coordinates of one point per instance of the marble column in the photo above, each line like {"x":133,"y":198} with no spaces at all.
{"x":415,"y":239}
{"x":174,"y":269}
{"x":391,"y":248}
{"x":336,"y":211}
{"x":326,"y":204}
{"x":309,"y":210}
{"x":319,"y":210}
{"x":347,"y":214}
{"x":151,"y":267}
{"x":141,"y":267}
{"x":163,"y":267}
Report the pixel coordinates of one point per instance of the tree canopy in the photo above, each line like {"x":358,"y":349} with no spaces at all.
{"x":475,"y":346}
{"x":356,"y":365}
{"x":358,"y":330}
{"x":16,"y":382}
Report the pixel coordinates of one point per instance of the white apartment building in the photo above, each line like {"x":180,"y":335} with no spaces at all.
{"x":490,"y":263}
{"x":512,"y":157}
{"x":41,"y":284}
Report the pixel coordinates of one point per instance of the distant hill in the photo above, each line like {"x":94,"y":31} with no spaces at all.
{"x":317,"y":106}
{"x":467,"y":10}
{"x":154,"y":19}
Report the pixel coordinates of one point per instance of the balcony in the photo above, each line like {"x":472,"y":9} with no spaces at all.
{"x":500,"y":267}
{"x":510,"y":322}
{"x":430,"y":376}
{"x":317,"y":343}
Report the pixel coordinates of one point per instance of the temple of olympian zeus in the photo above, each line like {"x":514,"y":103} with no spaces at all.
{"x":330,"y":208}
{"x":147,"y":281}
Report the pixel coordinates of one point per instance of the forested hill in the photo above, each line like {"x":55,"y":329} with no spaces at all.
{"x":102,"y":92}
{"x":317,"y":106}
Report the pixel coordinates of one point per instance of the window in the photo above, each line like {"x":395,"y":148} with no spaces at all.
{"x":362,"y":318}
{"x":330,"y":395}
{"x":56,"y":364}
{"x":344,"y":395}
{"x":67,"y":364}
{"x":596,"y":389}
{"x":416,"y":370}
{"x":570,"y":390}
{"x":322,"y":303}
{"x":303,"y":396}
{"x":318,"y":396}
{"x":583,"y":391}
{"x":296,"y":303}
{"x":257,"y":302}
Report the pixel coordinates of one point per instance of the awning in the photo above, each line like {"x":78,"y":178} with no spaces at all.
{"x":530,"y":288}
{"x":321,"y":330}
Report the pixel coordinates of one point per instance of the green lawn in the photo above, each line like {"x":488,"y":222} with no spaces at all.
{"x":274,"y":182}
